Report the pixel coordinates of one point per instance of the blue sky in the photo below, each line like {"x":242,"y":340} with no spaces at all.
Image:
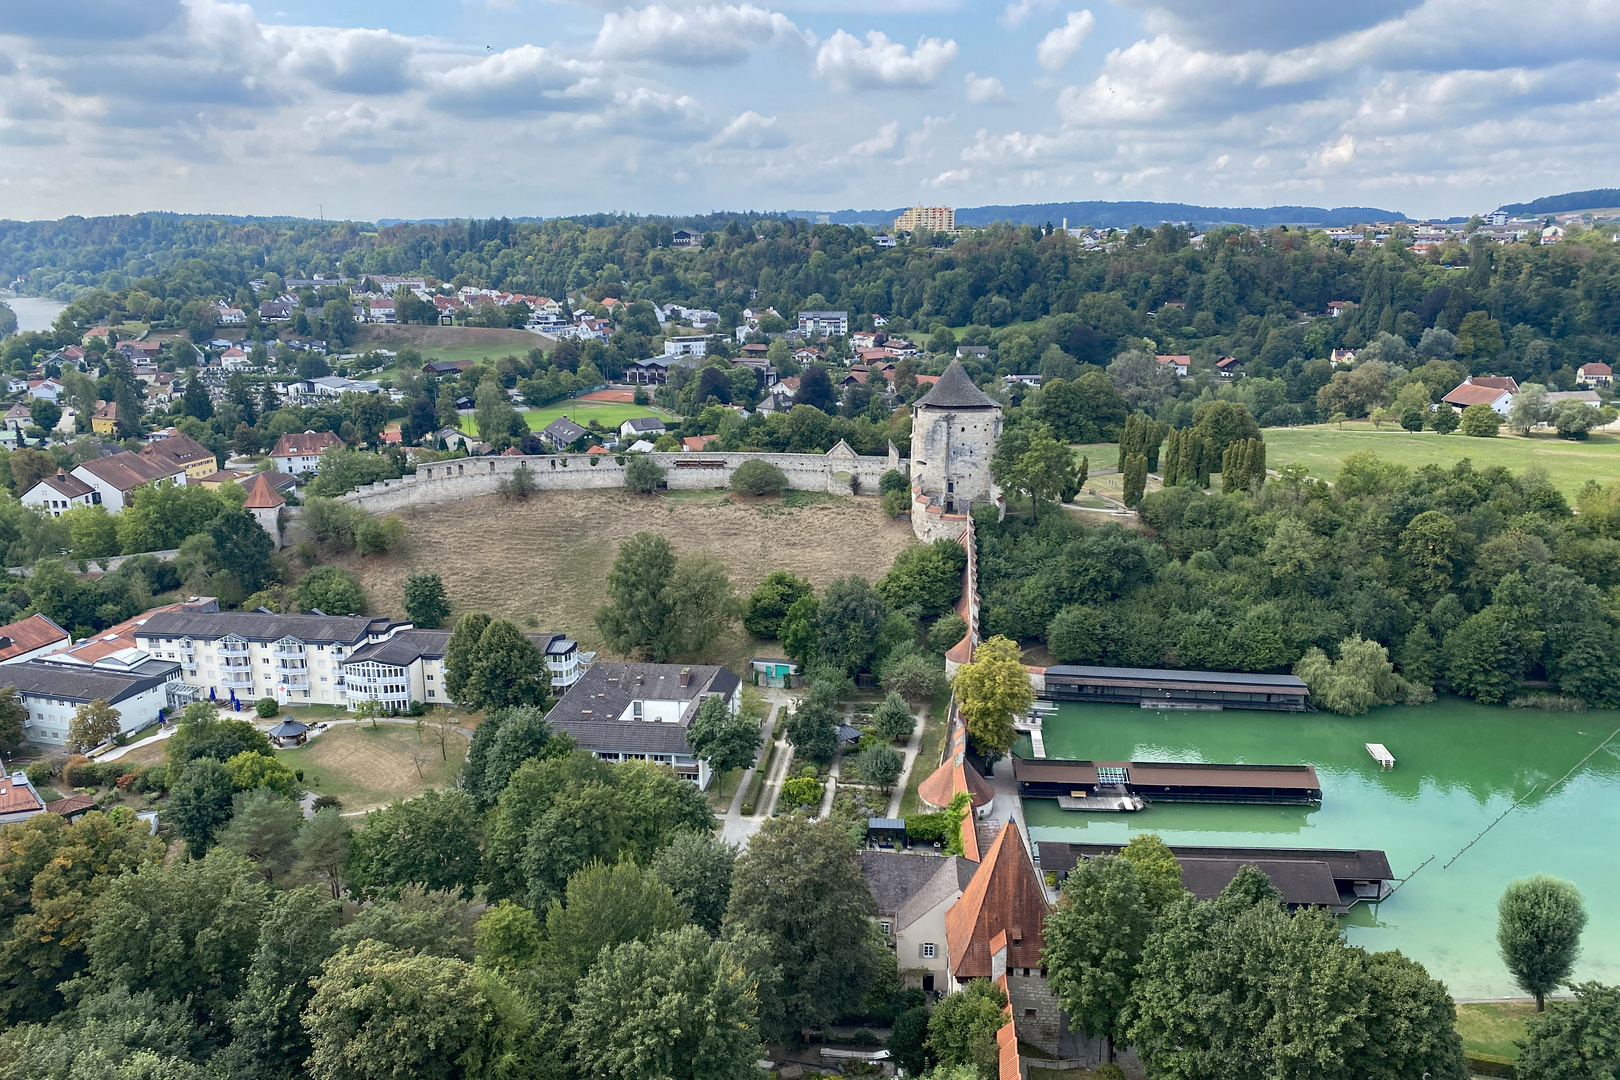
{"x":528,"y":107}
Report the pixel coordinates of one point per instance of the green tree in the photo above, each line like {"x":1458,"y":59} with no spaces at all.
{"x":1094,"y":942}
{"x":848,"y":620}
{"x":1539,"y":920}
{"x":643,"y":475}
{"x":768,"y":605}
{"x":604,"y":906}
{"x":893,"y":720}
{"x":323,"y":847}
{"x":200,"y":803}
{"x":798,"y":633}
{"x":879,"y":764}
{"x":1411,"y":1024}
{"x":263,"y":829}
{"x":661,"y":605}
{"x":1481,"y":421}
{"x":509,"y":937}
{"x":991,"y":692}
{"x":93,"y":723}
{"x":812,"y":727}
{"x":461,"y":651}
{"x":756,"y":477}
{"x":1575,"y":1040}
{"x":430,"y":841}
{"x":425,"y":602}
{"x":244,"y":547}
{"x":507,"y":670}
{"x":1444,"y":420}
{"x":1157,"y":871}
{"x":698,"y":868}
{"x":908,"y":1041}
{"x":798,"y":890}
{"x":726,"y":740}
{"x":962,"y":1030}
{"x":1360,"y":679}
{"x":492,"y":411}
{"x":251,"y":769}
{"x":929,"y":576}
{"x":802,"y":791}
{"x":331,"y":589}
{"x":12,"y":715}
{"x":677,"y":1007}
{"x":501,"y":744}
{"x":185,"y":931}
{"x":1135,"y":479}
{"x":294,"y":941}
{"x":382,"y":1012}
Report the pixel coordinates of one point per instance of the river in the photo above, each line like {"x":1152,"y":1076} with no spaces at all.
{"x":33,"y":312}
{"x":1459,"y":765}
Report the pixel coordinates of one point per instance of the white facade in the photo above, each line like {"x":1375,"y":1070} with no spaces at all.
{"x":824,"y":323}
{"x":687,"y":345}
{"x":44,"y":497}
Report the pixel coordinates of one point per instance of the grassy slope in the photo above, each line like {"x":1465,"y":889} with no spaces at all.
{"x":450,"y":342}
{"x":543,"y":562}
{"x":607,"y":413}
{"x":1322,"y":449}
{"x":1489,"y":1027}
{"x":367,"y":768}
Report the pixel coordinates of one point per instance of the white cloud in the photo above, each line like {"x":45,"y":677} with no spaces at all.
{"x":1019,"y":10}
{"x":985,"y":89}
{"x":845,"y":63}
{"x":948,"y":177}
{"x":1015,"y":146}
{"x":886,"y":139}
{"x":360,"y":132}
{"x":656,"y":114}
{"x":1338,"y":153}
{"x":1059,"y":46}
{"x":521,"y":80}
{"x":751,"y":131}
{"x":352,"y":61}
{"x":721,"y":34}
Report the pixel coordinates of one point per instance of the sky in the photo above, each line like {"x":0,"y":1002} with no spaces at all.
{"x":457,"y":108}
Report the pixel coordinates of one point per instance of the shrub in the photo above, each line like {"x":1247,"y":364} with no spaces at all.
{"x":1481,"y":421}
{"x":323,"y":801}
{"x":893,"y":480}
{"x":896,"y":503}
{"x":802,"y":791}
{"x":643,"y":475}
{"x":266,"y":707}
{"x":946,"y":632}
{"x":755,"y":477}
{"x":39,"y":773}
{"x":1444,"y":420}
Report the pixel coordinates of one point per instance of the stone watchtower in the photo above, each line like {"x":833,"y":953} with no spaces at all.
{"x":954,"y":429}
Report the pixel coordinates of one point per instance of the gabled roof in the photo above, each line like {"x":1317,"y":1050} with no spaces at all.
{"x":17,"y":795}
{"x":1468,"y":394}
{"x":955,"y":390}
{"x":34,"y":632}
{"x":126,"y":471}
{"x":1500,"y":382}
{"x":1004,"y":896}
{"x":644,"y":423}
{"x":1594,"y":367}
{"x":304,"y":443}
{"x":179,"y":448}
{"x":563,"y":430}
{"x":70,"y":487}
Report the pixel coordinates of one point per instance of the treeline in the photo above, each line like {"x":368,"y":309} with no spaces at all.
{"x":1465,"y":580}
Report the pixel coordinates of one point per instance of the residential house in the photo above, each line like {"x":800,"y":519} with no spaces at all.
{"x":809,"y":354}
{"x":441,"y":368}
{"x":638,"y":427}
{"x":1180,"y":364}
{"x":695,"y":443}
{"x":687,"y":345}
{"x":1340,"y":307}
{"x":653,"y":371}
{"x":191,"y":456}
{"x":18,"y":417}
{"x":1592,"y":373}
{"x":380,"y":310}
{"x":824,"y":323}
{"x":60,"y":493}
{"x":864,"y":339}
{"x":253,"y":654}
{"x":1228,"y":367}
{"x":1341,"y":356}
{"x":409,"y":667}
{"x":18,"y":799}
{"x":49,"y":389}
{"x":1480,"y":390}
{"x":32,"y":637}
{"x":977,"y":352}
{"x":914,"y":892}
{"x":229,"y":315}
{"x":299,"y":452}
{"x":755,"y":352}
{"x":764,"y":369}
{"x":562,"y":432}
{"x":686,"y":238}
{"x":1024,"y":380}
{"x":1552,"y":234}
{"x":277,"y":310}
{"x":115,"y":477}
{"x":641,"y":712}
{"x":104,"y":421}
{"x":884,"y":240}
{"x":234,"y":359}
{"x":140,"y":686}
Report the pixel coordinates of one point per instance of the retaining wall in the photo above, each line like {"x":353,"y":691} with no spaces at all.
{"x":840,"y":471}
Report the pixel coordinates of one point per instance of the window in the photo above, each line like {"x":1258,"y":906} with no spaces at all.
{"x":635,"y":710}
{"x":886,"y":926}
{"x":1030,"y":1013}
{"x":928,"y":950}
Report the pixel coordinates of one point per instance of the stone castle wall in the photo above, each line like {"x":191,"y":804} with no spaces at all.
{"x":950,"y":467}
{"x":839,"y":471}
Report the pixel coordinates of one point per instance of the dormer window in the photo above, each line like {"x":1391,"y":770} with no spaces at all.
{"x":635,"y":710}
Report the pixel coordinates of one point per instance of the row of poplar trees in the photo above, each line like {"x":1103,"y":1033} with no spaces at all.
{"x":1190,"y":455}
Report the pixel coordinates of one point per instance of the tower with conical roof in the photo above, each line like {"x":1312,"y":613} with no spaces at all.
{"x":954,"y":429}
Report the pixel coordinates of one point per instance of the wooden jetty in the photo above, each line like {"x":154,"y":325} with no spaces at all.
{"x":1380,"y":753}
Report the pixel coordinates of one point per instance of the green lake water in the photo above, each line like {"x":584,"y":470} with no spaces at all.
{"x":1458,"y":767}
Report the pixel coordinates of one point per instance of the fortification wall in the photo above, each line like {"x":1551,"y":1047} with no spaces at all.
{"x":839,"y":471}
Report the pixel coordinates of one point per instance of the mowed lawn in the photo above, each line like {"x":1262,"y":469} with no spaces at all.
{"x":1490,"y":1027}
{"x":610,"y":414}
{"x":1569,"y":463}
{"x":366,"y":767}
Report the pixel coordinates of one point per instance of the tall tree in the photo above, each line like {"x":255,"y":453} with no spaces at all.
{"x":1157,"y":871}
{"x":425,"y":602}
{"x":12,"y":714}
{"x":323,"y":848}
{"x":294,"y":941}
{"x":244,"y":547}
{"x":604,"y":906}
{"x":200,"y":803}
{"x":848,"y":621}
{"x":677,"y":1007}
{"x":461,"y":651}
{"x":1538,"y":930}
{"x":93,"y":723}
{"x":431,"y":841}
{"x":724,"y":739}
{"x":962,"y":1030}
{"x":1094,"y":941}
{"x":991,"y":692}
{"x":264,"y":830}
{"x":507,"y":670}
{"x":1575,"y":1040}
{"x":698,"y":868}
{"x":799,"y":889}
{"x":768,"y":605}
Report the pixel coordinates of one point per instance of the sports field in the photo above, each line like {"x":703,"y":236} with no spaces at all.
{"x":607,"y":413}
{"x":1569,"y":463}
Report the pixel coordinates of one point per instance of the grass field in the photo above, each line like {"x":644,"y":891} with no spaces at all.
{"x":543,"y":562}
{"x":368,"y":767}
{"x":607,"y":413}
{"x":449,"y":342}
{"x":1569,"y":464}
{"x":1489,"y":1027}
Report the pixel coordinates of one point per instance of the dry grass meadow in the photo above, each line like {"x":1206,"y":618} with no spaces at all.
{"x":543,"y":562}
{"x":368,"y":767}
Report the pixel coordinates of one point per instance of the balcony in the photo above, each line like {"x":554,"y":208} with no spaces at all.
{"x":296,"y":679}
{"x":282,"y":649}
{"x":233,"y":649}
{"x":236,"y":663}
{"x":300,"y":666}
{"x":188,"y":648}
{"x":237,"y":678}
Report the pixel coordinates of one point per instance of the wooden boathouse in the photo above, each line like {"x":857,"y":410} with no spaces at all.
{"x":1165,"y":688}
{"x":1159,"y":781}
{"x":1333,"y":878}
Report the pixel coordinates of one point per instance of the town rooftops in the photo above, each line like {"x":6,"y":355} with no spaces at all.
{"x":591,"y":708}
{"x":266,"y":627}
{"x":563,"y":431}
{"x":262,"y":495}
{"x":114,"y":639}
{"x":66,"y":485}
{"x":28,"y":635}
{"x":907,"y":884}
{"x":1004,"y":896}
{"x":640,"y":424}
{"x":78,"y":684}
{"x":126,"y":471}
{"x":955,"y":390}
{"x":18,"y":799}
{"x":304,"y":444}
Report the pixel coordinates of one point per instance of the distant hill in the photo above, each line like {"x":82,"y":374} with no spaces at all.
{"x":1122,"y":215}
{"x":1595,"y":199}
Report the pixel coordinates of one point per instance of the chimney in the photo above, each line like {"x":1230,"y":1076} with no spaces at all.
{"x":640,"y":679}
{"x":584,"y":714}
{"x":686,"y":677}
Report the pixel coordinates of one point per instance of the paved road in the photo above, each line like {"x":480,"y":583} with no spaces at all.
{"x":913,"y":744}
{"x":734,"y":827}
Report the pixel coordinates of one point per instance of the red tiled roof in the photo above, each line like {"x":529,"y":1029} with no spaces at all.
{"x":1003,"y":896}
{"x":179,"y":448}
{"x":1500,"y":382}
{"x":304,"y":443}
{"x":34,"y":632}
{"x":116,"y":638}
{"x":1592,"y":368}
{"x":73,"y":804}
{"x":108,"y":411}
{"x":697,"y":442}
{"x":126,"y":471}
{"x":261,"y":495}
{"x":596,"y":450}
{"x":1466,"y":395}
{"x":70,"y":487}
{"x":1177,"y":358}
{"x":17,"y":798}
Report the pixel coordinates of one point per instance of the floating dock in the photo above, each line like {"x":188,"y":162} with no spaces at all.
{"x":1087,"y":784}
{"x":1380,"y":753}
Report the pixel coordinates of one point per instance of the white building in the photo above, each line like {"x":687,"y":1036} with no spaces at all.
{"x":31,"y":638}
{"x":409,"y":667}
{"x":116,"y":477}
{"x":300,"y":452}
{"x":687,"y":345}
{"x":140,"y":686}
{"x":824,"y":323}
{"x":58,"y":494}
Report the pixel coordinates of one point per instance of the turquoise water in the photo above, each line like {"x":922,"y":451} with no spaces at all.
{"x":1458,"y":766}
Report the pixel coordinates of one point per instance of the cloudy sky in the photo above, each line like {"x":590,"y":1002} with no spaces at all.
{"x":410,"y":108}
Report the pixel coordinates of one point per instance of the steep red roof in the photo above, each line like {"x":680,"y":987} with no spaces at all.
{"x":261,"y":495}
{"x":1467,"y":394}
{"x":1004,"y":895}
{"x":34,"y":632}
{"x":17,"y":798}
{"x":126,"y":471}
{"x":73,"y":804}
{"x":304,"y":444}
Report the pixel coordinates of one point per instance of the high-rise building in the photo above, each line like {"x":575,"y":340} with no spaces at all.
{"x":933,"y":218}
